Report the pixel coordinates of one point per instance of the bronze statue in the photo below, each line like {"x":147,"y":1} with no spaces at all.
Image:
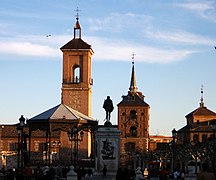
{"x":108,"y":106}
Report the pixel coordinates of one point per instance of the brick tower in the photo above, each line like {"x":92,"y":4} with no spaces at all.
{"x":133,"y":121}
{"x":77,"y":81}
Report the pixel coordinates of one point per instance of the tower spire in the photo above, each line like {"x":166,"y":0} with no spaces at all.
{"x":133,"y":86}
{"x":77,"y":27}
{"x":201,"y":99}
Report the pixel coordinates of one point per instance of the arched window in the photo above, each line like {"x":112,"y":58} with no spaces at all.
{"x":76,"y":74}
{"x":133,"y":114}
{"x":133,"y":131}
{"x":195,"y":138}
{"x":204,"y":138}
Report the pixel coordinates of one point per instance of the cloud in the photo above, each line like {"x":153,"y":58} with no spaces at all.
{"x":179,"y":37}
{"x":117,"y":50}
{"x":117,"y":22}
{"x":107,"y":49}
{"x":205,"y":9}
{"x":27,"y":49}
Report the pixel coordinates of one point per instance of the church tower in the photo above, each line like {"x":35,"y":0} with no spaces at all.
{"x":77,"y":81}
{"x":133,"y":121}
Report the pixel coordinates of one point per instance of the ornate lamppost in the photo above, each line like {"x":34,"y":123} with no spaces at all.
{"x":56,"y":153}
{"x":75,"y":136}
{"x":20,"y":141}
{"x":174,"y":134}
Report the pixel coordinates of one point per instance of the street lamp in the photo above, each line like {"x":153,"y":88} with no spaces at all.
{"x":20,"y":141}
{"x":74,"y":135}
{"x":174,"y":134}
{"x":213,"y":125}
{"x":18,"y":146}
{"x":56,"y":153}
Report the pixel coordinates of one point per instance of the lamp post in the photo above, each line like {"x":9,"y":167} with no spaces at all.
{"x":56,"y":153}
{"x":174,"y":134}
{"x":75,"y":136}
{"x":18,"y":146}
{"x":20,"y":141}
{"x":213,"y":125}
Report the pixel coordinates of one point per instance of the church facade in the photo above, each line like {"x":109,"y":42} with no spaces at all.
{"x":200,"y":125}
{"x":63,"y":134}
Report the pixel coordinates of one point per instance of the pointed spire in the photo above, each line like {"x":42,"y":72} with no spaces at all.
{"x":133,"y":86}
{"x":77,"y":27}
{"x":201,"y":99}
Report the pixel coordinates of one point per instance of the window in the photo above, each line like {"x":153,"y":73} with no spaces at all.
{"x":133,"y":114}
{"x":204,"y":138}
{"x":195,"y":138}
{"x":129,"y":147}
{"x":13,"y":146}
{"x":42,"y":146}
{"x":75,"y":74}
{"x":133,"y":131}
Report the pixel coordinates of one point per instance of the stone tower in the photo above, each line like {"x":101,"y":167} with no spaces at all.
{"x":133,"y":121}
{"x":77,"y":81}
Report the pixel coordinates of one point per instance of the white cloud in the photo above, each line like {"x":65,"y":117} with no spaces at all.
{"x":27,"y":49}
{"x":104,"y":48}
{"x":205,"y":9}
{"x":117,"y":22}
{"x":198,"y":6}
{"x":180,"y":37}
{"x":121,"y":51}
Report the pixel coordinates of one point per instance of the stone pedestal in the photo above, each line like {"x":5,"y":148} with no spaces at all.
{"x":107,"y":149}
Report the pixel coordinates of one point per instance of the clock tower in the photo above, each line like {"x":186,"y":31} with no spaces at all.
{"x":77,"y":81}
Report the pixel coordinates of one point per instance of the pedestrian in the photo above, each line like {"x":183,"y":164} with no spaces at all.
{"x":28,"y":172}
{"x":120,"y":174}
{"x":89,"y":172}
{"x":104,"y":171}
{"x":176,"y":175}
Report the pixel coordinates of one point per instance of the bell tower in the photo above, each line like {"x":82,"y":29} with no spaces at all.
{"x":133,"y":121}
{"x":77,"y":81}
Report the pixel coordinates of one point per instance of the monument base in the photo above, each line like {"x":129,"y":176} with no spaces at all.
{"x":107,"y":149}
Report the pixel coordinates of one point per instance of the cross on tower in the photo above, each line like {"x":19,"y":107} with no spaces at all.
{"x":202,"y":88}
{"x":77,"y":13}
{"x":133,"y":57}
{"x":201,"y":103}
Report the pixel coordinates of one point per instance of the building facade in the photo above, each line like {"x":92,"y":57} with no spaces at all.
{"x":63,"y":134}
{"x":199,"y":124}
{"x":133,"y":122}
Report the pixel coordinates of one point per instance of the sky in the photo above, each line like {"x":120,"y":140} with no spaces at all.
{"x":173,"y":42}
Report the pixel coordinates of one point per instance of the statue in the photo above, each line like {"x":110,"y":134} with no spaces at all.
{"x":108,"y":106}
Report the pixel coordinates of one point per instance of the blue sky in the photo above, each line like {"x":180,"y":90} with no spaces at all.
{"x":173,"y":42}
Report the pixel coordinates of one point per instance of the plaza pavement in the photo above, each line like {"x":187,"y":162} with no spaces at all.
{"x":113,"y":178}
{"x":99,"y":177}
